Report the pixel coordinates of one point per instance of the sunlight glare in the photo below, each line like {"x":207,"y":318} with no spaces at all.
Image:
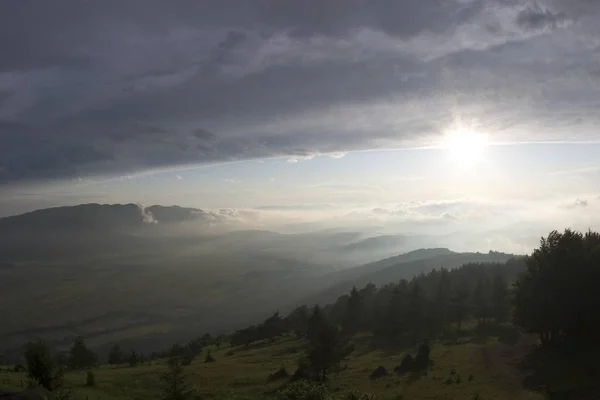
{"x":465,"y":145}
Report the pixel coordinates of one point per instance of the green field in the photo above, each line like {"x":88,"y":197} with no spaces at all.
{"x":484,"y":368}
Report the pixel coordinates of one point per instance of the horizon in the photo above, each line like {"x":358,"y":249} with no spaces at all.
{"x":408,"y":191}
{"x":472,"y":116}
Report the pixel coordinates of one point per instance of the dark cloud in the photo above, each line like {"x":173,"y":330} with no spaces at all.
{"x":203,"y":134}
{"x":338,"y":17}
{"x":117,"y":87}
{"x":536,"y":17}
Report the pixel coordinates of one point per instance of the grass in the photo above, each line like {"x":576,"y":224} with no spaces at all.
{"x":488,"y":369}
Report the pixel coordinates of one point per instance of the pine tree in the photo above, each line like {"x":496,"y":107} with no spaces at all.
{"x":395,"y":321}
{"x":326,"y":349}
{"x":354,"y":309}
{"x":416,"y":313}
{"x":42,"y":369}
{"x":173,"y":381}
{"x":480,"y":301}
{"x":80,"y":356}
{"x":500,"y":300}
{"x":116,"y":355}
{"x":459,"y":305}
{"x":133,"y":359}
{"x":314,"y":323}
{"x":440,"y":307}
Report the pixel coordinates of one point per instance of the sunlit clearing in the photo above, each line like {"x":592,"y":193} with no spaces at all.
{"x":465,"y":146}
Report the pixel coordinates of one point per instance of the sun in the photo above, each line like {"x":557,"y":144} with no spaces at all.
{"x":465,"y":146}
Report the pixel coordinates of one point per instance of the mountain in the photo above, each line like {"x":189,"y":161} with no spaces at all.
{"x":97,"y":217}
{"x":376,"y":243}
{"x":404,"y":266}
{"x":153,"y":275}
{"x":371,"y":268}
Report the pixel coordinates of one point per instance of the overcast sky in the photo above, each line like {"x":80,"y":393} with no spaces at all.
{"x":269,"y":104}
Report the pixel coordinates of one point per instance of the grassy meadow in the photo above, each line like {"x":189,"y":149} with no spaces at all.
{"x":472,"y":368}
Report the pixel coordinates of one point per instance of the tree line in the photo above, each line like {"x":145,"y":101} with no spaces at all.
{"x":412,"y":310}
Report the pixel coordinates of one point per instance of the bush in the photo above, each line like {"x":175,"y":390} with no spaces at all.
{"x":209,"y":358}
{"x":41,"y":367}
{"x":302,"y":390}
{"x":406,"y":365}
{"x":379,"y":372}
{"x":280,"y":374}
{"x":90,"y":379}
{"x":422,"y":358}
{"x":303,"y":371}
{"x":354,"y":395}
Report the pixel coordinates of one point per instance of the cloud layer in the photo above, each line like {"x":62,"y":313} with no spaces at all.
{"x":112,"y":87}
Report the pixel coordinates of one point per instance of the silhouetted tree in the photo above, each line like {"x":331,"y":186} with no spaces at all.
{"x":500,"y":299}
{"x":116,"y":355}
{"x":325,"y":347}
{"x":175,"y":387}
{"x":480,"y":301}
{"x":316,"y":320}
{"x":80,"y":356}
{"x":41,"y":367}
{"x":557,"y":296}
{"x":297,"y":321}
{"x":133,"y":359}
{"x":352,"y":320}
{"x":416,"y":311}
{"x":460,"y":307}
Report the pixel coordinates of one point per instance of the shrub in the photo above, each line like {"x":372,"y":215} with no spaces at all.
{"x":422,"y":358}
{"x":280,"y":374}
{"x":379,"y":372}
{"x":302,"y":390}
{"x":354,"y":395}
{"x":209,"y":358}
{"x":90,"y":379}
{"x":406,"y":365}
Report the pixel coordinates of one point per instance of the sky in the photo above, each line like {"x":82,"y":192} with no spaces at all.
{"x":409,"y":115}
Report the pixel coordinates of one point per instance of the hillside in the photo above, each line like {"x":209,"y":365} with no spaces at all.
{"x":128,"y":273}
{"x":404,"y":266}
{"x":485,"y":368}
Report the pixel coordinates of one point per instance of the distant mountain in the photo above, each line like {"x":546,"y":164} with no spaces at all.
{"x":371,"y":268}
{"x":98,"y":217}
{"x":376,"y":243}
{"x":113,"y":272}
{"x":404,"y":266}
